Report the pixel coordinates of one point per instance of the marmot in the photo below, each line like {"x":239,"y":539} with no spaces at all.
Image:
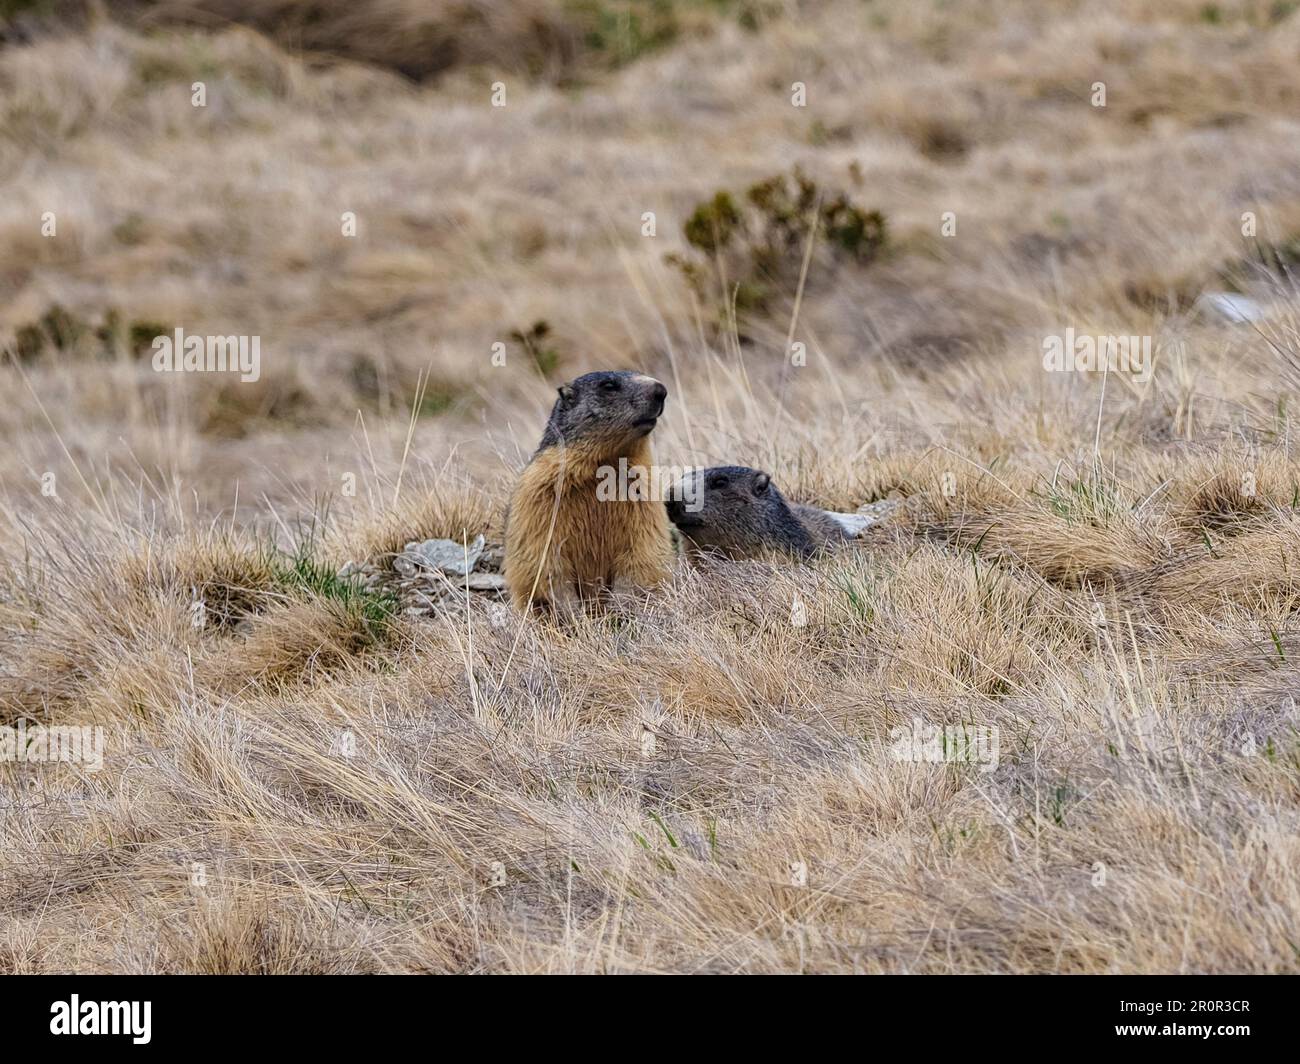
{"x":568,"y":535}
{"x":739,"y":513}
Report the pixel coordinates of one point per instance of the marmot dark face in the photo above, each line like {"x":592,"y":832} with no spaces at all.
{"x":609,"y":407}
{"x":736,"y":512}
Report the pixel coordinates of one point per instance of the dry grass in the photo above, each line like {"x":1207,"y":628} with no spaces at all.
{"x":300,"y":778}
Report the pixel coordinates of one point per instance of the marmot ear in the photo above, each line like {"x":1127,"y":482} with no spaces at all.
{"x":565,"y":393}
{"x":761,"y":482}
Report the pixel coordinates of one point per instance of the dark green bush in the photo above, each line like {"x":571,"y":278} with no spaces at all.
{"x":750,"y":249}
{"x":545,"y":356}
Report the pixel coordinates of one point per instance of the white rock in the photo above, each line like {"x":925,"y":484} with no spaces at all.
{"x":1230,"y":306}
{"x":871,"y":513}
{"x":853,"y":524}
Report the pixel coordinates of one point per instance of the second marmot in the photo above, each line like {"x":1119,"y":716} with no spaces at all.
{"x":738,"y":512}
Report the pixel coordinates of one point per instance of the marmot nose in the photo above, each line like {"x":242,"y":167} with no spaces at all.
{"x":659,"y":393}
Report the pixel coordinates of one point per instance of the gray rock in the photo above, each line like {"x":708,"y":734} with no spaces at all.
{"x":440,"y":555}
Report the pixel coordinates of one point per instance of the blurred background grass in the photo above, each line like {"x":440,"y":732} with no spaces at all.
{"x":523,"y":225}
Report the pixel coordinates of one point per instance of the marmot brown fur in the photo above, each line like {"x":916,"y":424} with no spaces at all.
{"x":738,"y":512}
{"x":567,"y":539}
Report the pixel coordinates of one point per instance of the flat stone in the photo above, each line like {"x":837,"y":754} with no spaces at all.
{"x":442,"y":555}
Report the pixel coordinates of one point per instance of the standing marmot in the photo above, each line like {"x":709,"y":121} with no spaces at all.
{"x":567,"y":540}
{"x":737,"y":512}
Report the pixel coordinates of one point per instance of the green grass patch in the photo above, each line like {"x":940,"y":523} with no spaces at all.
{"x":301,"y":573}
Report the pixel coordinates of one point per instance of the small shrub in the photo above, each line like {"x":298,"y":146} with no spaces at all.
{"x":135,"y":337}
{"x":61,"y":333}
{"x":58,"y":330}
{"x":13,"y":8}
{"x":751,"y":248}
{"x":546,"y":357}
{"x":711,"y":225}
{"x":620,"y":33}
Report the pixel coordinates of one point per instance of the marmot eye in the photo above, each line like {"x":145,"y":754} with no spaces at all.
{"x":609,"y":386}
{"x":717,"y":482}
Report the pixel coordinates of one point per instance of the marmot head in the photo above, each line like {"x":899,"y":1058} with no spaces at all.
{"x":736,"y":512}
{"x":613,"y":408}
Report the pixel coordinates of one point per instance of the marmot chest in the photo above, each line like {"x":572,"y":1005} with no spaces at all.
{"x":594,"y":536}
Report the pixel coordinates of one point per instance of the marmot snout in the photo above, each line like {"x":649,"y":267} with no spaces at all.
{"x":738,"y":512}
